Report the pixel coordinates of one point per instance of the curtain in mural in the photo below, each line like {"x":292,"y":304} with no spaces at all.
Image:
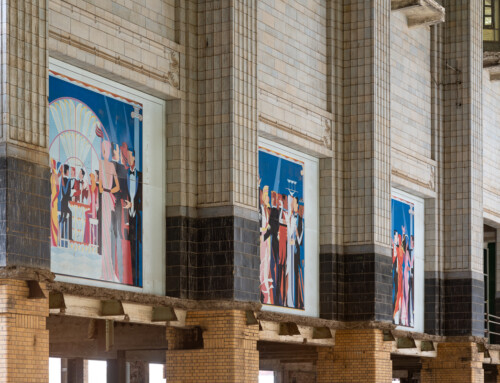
{"x":403,"y":257}
{"x":282,"y":229}
{"x":96,"y":182}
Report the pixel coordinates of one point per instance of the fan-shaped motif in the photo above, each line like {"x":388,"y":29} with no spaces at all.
{"x":75,"y":123}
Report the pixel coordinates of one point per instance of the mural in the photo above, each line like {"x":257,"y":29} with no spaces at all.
{"x":403,"y":257}
{"x":96,"y":182}
{"x":282,"y":225}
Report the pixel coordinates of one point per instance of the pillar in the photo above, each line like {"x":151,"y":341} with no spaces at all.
{"x":24,"y":340}
{"x":139,"y":372}
{"x":116,"y":371}
{"x":76,"y":370}
{"x":463,"y":169}
{"x":358,"y":356}
{"x":229,"y":352}
{"x":455,"y":362}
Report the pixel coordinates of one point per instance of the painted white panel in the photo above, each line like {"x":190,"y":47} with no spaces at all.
{"x":154,"y":139}
{"x":311,"y":217}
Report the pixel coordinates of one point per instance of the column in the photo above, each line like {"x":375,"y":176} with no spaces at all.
{"x":463,"y":145}
{"x":24,"y":340}
{"x":358,"y":356}
{"x":456,"y":362}
{"x":229,"y":352}
{"x":24,"y":162}
{"x":366,"y":259}
{"x":76,"y":370}
{"x":225,"y":265}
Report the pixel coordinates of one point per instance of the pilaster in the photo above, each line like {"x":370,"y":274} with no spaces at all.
{"x":229,"y":352}
{"x":367,"y":184}
{"x":24,"y":162}
{"x":455,"y":362}
{"x":463,"y":144}
{"x":358,"y":356}
{"x":24,"y":339}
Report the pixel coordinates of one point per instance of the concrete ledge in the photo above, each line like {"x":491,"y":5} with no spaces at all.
{"x":420,"y":12}
{"x":491,"y":61}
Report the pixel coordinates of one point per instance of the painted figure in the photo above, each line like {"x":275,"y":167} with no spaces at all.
{"x":265,"y":232}
{"x":54,"y":202}
{"x":91,"y":235}
{"x":107,"y":178}
{"x":66,"y":218}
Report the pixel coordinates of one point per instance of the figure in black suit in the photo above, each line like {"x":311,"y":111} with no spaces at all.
{"x":134,"y":188}
{"x":274,"y":223}
{"x":66,"y":215}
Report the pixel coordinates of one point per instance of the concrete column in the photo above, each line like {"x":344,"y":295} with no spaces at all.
{"x":229,"y":352}
{"x":358,"y":356}
{"x":77,"y":370}
{"x":139,"y":372}
{"x":456,"y":362}
{"x":116,"y":371}
{"x":24,"y":340}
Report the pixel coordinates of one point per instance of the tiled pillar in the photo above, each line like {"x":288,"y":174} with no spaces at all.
{"x":24,"y":162}
{"x":364,"y":259}
{"x":229,"y":352}
{"x":215,"y":255}
{"x":463,"y":145}
{"x":24,"y":340}
{"x":358,"y":356}
{"x":331,"y":174}
{"x":455,"y":362}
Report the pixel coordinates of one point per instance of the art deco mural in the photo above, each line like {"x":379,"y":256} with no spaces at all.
{"x":96,"y":182}
{"x":403,"y":258}
{"x":282,"y":229}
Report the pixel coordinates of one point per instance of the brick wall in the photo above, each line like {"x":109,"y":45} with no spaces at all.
{"x":456,"y":362}
{"x":229,"y":354}
{"x":24,"y":340}
{"x":358,"y":356}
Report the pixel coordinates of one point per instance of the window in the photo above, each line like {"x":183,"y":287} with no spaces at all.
{"x":488,"y":20}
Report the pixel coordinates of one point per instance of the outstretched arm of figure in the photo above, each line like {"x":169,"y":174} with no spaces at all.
{"x":116,"y":189}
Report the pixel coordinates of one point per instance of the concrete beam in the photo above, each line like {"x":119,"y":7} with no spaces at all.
{"x":420,"y":12}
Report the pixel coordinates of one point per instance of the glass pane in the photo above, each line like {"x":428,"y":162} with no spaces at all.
{"x":487,"y":21}
{"x":487,"y":3}
{"x":487,"y":11}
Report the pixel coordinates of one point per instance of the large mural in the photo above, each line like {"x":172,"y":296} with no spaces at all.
{"x":403,"y":258}
{"x":282,"y":229}
{"x":96,"y":182}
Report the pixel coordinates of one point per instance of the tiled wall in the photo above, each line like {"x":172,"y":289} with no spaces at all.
{"x":491,"y":149}
{"x":292,"y":48}
{"x":410,"y":88}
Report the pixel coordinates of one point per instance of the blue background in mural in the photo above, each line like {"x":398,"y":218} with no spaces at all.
{"x":114,"y":115}
{"x":274,"y":171}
